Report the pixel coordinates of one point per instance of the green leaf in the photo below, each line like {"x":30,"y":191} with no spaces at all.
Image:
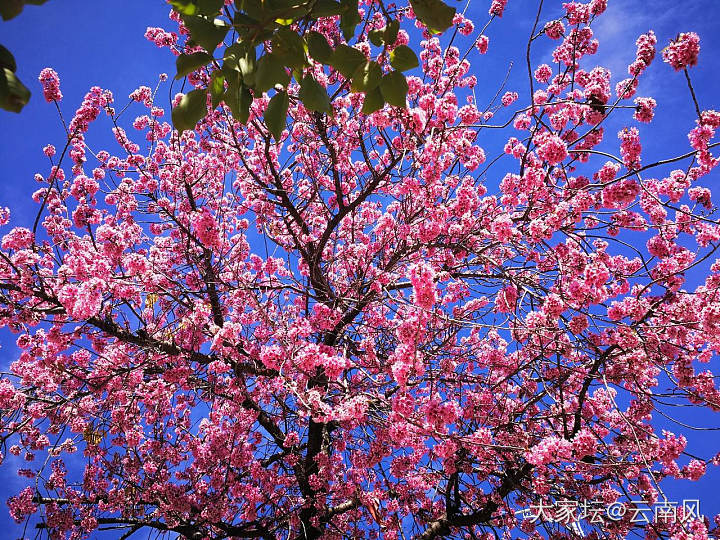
{"x":403,"y":58}
{"x":373,"y":101}
{"x":313,"y":95}
{"x":10,"y":9}
{"x":289,"y":47}
{"x":366,"y":77}
{"x":288,"y":12}
{"x":376,"y":37}
{"x":318,"y":47}
{"x":276,"y":114}
{"x":394,"y":89}
{"x":391,"y":32}
{"x":206,"y":33}
{"x":270,"y":71}
{"x":349,"y":18}
{"x":240,"y":19}
{"x":191,"y":109}
{"x":347,"y":59}
{"x":217,"y":88}
{"x":246,"y":61}
{"x":435,"y":14}
{"x":187,"y":63}
{"x":239,"y":99}
{"x":14,"y":95}
{"x":184,"y":7}
{"x":7,"y":60}
{"x":326,"y":8}
{"x":210,"y":7}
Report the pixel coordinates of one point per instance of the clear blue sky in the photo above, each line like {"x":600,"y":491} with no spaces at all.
{"x":101,"y":43}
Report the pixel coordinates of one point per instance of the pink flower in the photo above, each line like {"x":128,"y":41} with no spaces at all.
{"x":22,"y":505}
{"x":18,"y":238}
{"x":543,"y":73}
{"x":630,"y":147}
{"x":682,"y":51}
{"x":695,"y":469}
{"x":552,"y":149}
{"x":497,"y":7}
{"x":424,"y":291}
{"x":548,"y":450}
{"x":51,"y":85}
{"x":482,"y":44}
{"x":206,"y":228}
{"x":645,"y":109}
{"x":554,"y":29}
{"x":509,"y":98}
{"x":506,"y":298}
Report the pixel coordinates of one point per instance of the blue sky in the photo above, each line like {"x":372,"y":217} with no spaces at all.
{"x":101,"y":43}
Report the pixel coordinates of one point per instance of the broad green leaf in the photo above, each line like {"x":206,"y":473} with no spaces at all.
{"x":247,"y":62}
{"x":289,"y":47}
{"x":276,"y":114}
{"x":318,"y":47}
{"x":206,"y":33}
{"x":10,"y":9}
{"x":313,"y":95}
{"x":376,"y":37}
{"x":191,"y":109}
{"x":349,"y":18}
{"x":7,"y":60}
{"x":231,"y":56}
{"x":14,"y":95}
{"x":217,"y":88}
{"x":232,"y":74}
{"x":240,"y":56}
{"x":270,"y":71}
{"x":403,"y":58}
{"x":240,"y":19}
{"x":366,"y":77}
{"x":347,"y":59}
{"x":373,"y":101}
{"x":287,"y":13}
{"x":184,"y":7}
{"x":435,"y":14}
{"x":210,"y":7}
{"x":239,"y":99}
{"x":187,"y":63}
{"x":394,"y":89}
{"x":391,"y":32}
{"x":326,"y":8}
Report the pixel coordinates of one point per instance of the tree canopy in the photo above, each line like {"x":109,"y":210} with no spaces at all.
{"x":324,"y":303}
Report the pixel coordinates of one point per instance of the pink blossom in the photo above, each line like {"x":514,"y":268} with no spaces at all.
{"x":51,"y":85}
{"x":548,"y":450}
{"x":630,"y":147}
{"x":18,"y":238}
{"x":552,"y":149}
{"x":554,"y":29}
{"x":543,"y":73}
{"x":424,"y":290}
{"x":509,"y":98}
{"x":481,"y":44}
{"x":497,"y":7}
{"x":682,"y":51}
{"x":645,"y":109}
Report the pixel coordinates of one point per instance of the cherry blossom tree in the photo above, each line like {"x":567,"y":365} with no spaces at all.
{"x":343,"y":330}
